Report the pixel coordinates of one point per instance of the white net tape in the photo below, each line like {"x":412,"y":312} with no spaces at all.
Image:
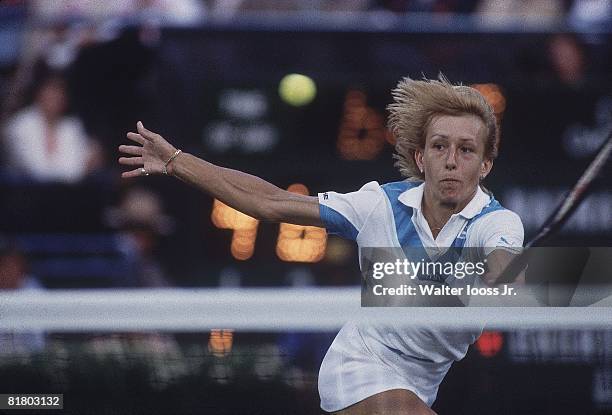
{"x":261,"y":309}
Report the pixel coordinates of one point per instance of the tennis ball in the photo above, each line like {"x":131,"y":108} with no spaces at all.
{"x":297,"y":90}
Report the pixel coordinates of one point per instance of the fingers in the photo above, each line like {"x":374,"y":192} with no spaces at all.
{"x":149,"y":135}
{"x":131,"y":161}
{"x":141,"y":138}
{"x":131,"y":150}
{"x":136,"y":137}
{"x":131,"y":173}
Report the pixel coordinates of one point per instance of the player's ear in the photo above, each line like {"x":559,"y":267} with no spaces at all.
{"x":485,"y":168}
{"x":418,"y":158}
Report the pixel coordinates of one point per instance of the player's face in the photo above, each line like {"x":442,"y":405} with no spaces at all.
{"x":453,"y":158}
{"x":52,"y":99}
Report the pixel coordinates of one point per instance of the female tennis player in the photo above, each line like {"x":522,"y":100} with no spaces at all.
{"x":446,"y":143}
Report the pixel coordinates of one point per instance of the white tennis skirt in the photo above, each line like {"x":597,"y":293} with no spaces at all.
{"x":353,"y":371}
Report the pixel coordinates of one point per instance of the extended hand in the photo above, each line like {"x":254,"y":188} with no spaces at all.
{"x":151,"y":154}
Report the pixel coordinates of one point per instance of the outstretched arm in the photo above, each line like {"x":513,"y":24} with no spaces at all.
{"x":244,"y":192}
{"x":497,"y":261}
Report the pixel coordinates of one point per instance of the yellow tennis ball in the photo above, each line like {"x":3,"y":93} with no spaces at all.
{"x":297,"y":90}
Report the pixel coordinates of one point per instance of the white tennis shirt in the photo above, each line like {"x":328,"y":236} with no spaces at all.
{"x":414,"y":358}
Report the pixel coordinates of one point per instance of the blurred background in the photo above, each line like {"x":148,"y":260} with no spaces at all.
{"x":294,"y":92}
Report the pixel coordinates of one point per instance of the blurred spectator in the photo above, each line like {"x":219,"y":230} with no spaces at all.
{"x":59,"y":30}
{"x":171,"y":10}
{"x":567,"y":59}
{"x":13,"y":268}
{"x":14,"y":276}
{"x":69,"y":25}
{"x":141,"y":220}
{"x":525,"y":11}
{"x":44,"y":144}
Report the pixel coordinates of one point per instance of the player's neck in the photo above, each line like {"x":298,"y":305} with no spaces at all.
{"x":437,"y":213}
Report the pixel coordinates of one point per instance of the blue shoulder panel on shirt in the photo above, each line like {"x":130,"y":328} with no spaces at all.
{"x":491,"y":207}
{"x":402,"y":214}
{"x":336,"y":224}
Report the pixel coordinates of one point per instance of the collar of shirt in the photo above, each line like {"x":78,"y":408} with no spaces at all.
{"x":414,"y":197}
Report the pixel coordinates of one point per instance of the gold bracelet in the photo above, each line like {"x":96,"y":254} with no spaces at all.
{"x":172,"y":157}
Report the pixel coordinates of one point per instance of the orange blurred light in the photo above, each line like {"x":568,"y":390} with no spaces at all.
{"x":297,"y":243}
{"x":298,"y":188}
{"x":244,"y":229}
{"x":221,"y":341}
{"x":494,"y":96}
{"x":362,"y":133}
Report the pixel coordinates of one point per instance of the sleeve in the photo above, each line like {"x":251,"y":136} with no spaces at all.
{"x":500,"y":229}
{"x":17,"y":143}
{"x":344,"y":214}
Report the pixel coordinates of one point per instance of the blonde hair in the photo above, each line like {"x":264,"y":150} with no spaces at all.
{"x":414,"y":105}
